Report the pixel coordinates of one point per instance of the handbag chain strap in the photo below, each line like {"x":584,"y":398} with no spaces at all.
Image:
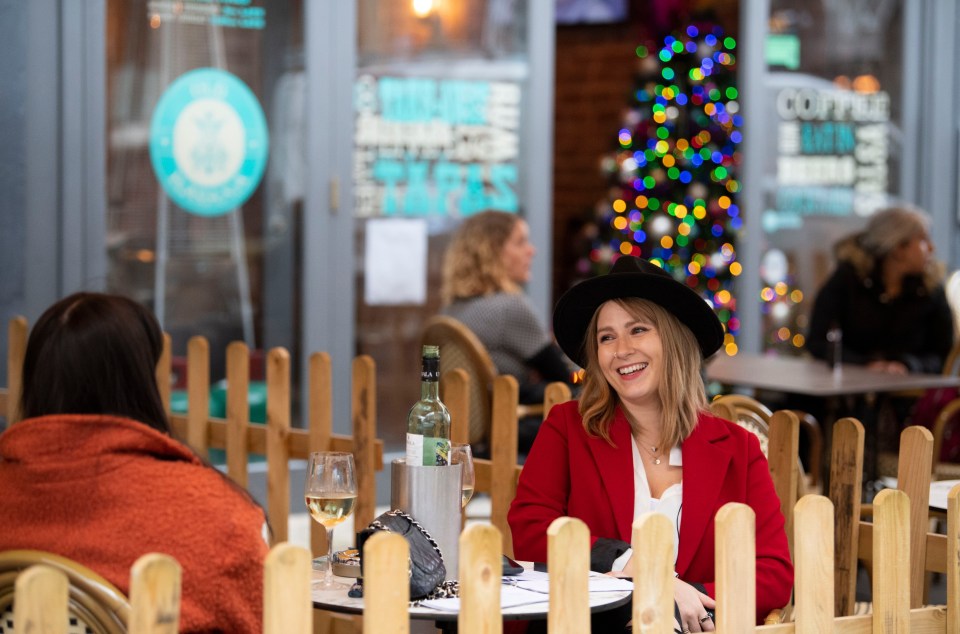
{"x":445,"y":589}
{"x":398,"y":513}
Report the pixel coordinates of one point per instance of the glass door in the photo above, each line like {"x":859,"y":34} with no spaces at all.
{"x":206,"y":169}
{"x":440,"y":97}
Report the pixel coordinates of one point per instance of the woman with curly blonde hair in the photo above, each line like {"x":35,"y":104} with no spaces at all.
{"x":485,"y":268}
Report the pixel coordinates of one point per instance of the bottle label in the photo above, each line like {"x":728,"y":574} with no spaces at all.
{"x":415,"y":450}
{"x":427,"y":451}
{"x":436,"y":451}
{"x":430,"y":370}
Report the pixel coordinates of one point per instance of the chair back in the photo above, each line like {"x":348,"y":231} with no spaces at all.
{"x":460,"y":348}
{"x":747,"y":412}
{"x":91,"y":599}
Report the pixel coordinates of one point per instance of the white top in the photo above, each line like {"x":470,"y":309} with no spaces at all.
{"x":670,"y":502}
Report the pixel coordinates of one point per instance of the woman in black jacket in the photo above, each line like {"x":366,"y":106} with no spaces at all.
{"x":885,"y":300}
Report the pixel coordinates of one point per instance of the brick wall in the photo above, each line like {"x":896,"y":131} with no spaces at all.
{"x":594,"y":76}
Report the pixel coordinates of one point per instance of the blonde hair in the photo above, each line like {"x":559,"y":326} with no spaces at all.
{"x":473,"y":265}
{"x":681,"y":390}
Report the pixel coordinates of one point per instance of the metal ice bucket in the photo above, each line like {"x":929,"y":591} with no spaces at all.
{"x":432,"y":496}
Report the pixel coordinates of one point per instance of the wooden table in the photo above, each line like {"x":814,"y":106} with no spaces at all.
{"x":336,"y":600}
{"x":814,"y":378}
{"x":811,"y":377}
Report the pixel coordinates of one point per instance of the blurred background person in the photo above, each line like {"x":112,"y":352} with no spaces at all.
{"x":885,"y":300}
{"x":485,"y":268}
{"x":92,"y":472}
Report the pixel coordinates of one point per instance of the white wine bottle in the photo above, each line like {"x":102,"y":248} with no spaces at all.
{"x":428,"y":423}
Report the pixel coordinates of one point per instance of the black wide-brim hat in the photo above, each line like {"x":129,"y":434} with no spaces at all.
{"x":633,"y":277}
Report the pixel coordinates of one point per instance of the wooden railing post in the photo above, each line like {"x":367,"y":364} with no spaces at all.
{"x":287,"y":606}
{"x":198,"y":394}
{"x":321,"y":427}
{"x":914,"y":468}
{"x":155,"y":581}
{"x":503,"y":454}
{"x":652,"y":542}
{"x":891,"y":562}
{"x":736,"y":571}
{"x":568,"y":560}
{"x":386,"y":584}
{"x":278,"y":453}
{"x":364,"y":416}
{"x":784,"y":444}
{"x":813,"y":544}
{"x":953,"y":561}
{"x":479,"y":576}
{"x":164,"y":373}
{"x":846,"y":482}
{"x":238,"y":411}
{"x":16,"y":350}
{"x":40,"y":600}
{"x":557,"y":392}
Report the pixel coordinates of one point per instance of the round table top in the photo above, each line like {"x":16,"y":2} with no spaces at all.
{"x":336,"y":600}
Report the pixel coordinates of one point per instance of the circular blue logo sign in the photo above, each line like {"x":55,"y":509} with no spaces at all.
{"x":208,"y":142}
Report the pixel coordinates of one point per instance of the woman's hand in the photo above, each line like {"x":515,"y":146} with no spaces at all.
{"x":693,"y":606}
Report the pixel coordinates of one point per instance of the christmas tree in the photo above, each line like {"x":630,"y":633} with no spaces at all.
{"x":673,"y":186}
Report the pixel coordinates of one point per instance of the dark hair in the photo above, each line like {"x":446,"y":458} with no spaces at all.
{"x":92,"y":353}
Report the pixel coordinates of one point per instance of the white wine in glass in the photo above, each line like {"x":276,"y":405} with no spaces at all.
{"x":330,"y":493}
{"x":460,"y":453}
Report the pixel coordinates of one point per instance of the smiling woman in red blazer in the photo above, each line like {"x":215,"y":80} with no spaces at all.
{"x":640,"y":439}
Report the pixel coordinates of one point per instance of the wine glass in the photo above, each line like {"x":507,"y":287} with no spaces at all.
{"x":330,"y":493}
{"x":460,"y":453}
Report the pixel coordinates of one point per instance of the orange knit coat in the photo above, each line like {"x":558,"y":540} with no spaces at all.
{"x":104,"y":490}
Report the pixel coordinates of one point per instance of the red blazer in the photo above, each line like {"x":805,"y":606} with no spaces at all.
{"x":570,"y":473}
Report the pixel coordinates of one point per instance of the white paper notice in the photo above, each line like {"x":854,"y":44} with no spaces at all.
{"x":395,"y":262}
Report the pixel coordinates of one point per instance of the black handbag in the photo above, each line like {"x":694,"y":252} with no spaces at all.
{"x":426,"y":562}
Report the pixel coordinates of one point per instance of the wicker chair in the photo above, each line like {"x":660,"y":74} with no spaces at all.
{"x":95,"y":605}
{"x":460,"y":348}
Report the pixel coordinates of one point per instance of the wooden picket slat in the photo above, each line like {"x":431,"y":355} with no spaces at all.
{"x":891,"y":562}
{"x":320,"y":387}
{"x":164,"y":372}
{"x":556,"y":392}
{"x":568,"y":560}
{"x":846,"y":474}
{"x":480,"y":577}
{"x":813,"y":544}
{"x":386,"y":584}
{"x":278,"y":454}
{"x":953,"y":560}
{"x":914,"y":469}
{"x":503,"y":455}
{"x":653,"y":556}
{"x":784,"y":443}
{"x":198,"y":394}
{"x":287,"y":606}
{"x":455,"y":394}
{"x":364,"y":409}
{"x":155,"y":582}
{"x":16,"y":350}
{"x":238,"y":411}
{"x":40,"y":600}
{"x":736,"y":573}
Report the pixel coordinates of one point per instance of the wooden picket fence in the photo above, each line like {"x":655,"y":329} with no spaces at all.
{"x":41,"y":601}
{"x":568,"y":562}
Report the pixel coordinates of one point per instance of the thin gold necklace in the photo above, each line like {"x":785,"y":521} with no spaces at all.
{"x":653,"y":451}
